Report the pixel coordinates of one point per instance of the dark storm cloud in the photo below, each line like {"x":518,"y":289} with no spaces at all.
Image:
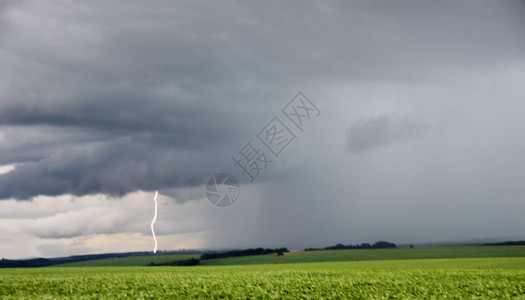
{"x":149,"y":103}
{"x":112,"y":167}
{"x":133,"y":96}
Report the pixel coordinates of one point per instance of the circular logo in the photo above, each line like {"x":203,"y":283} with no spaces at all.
{"x":222,"y":189}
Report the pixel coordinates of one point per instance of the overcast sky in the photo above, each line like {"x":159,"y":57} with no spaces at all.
{"x":420,"y":136}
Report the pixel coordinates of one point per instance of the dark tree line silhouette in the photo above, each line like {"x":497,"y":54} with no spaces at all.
{"x":246,"y":252}
{"x":376,"y":245}
{"x":184,"y":262}
{"x":509,"y":243}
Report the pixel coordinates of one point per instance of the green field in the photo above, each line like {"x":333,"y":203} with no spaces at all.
{"x":132,"y":261}
{"x":430,"y":278}
{"x":373,"y":254}
{"x":440,"y":272}
{"x":319,"y":256}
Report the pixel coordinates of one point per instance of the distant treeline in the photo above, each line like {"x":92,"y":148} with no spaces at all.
{"x":185,"y":262}
{"x":247,"y":252}
{"x":27,"y":263}
{"x":509,"y":243}
{"x":376,"y":245}
{"x":45,"y":262}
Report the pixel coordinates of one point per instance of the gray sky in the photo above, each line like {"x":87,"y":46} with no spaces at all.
{"x":101,"y":103}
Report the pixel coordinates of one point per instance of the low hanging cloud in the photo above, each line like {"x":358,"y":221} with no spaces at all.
{"x":114,"y":167}
{"x":79,"y":223}
{"x":67,"y":220}
{"x":384,"y":130}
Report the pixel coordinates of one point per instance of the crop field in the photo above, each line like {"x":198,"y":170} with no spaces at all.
{"x":317,"y":256}
{"x":373,"y":254}
{"x":417,"y":278}
{"x":133,"y":261}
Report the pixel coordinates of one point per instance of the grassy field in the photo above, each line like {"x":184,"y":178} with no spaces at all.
{"x":133,"y":261}
{"x":419,"y":278}
{"x":320,"y":256}
{"x":374,"y":254}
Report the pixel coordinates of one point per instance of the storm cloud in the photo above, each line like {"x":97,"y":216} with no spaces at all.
{"x":126,"y":91}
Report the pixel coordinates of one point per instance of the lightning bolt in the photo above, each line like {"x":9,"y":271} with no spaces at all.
{"x":153,"y":221}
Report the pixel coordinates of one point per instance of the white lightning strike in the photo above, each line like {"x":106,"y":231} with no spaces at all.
{"x":153,"y":221}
